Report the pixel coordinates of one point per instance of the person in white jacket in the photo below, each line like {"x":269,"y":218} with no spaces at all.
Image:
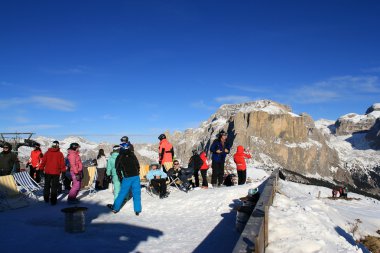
{"x":101,"y":166}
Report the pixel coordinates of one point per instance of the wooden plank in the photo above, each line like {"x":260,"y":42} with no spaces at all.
{"x":266,"y":226}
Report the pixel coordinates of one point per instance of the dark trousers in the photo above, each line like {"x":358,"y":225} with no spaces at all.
{"x":100,"y":180}
{"x":242,"y":176}
{"x":196,"y":177}
{"x":204,"y":178}
{"x":35,"y":174}
{"x":5,"y":172}
{"x":217,"y":173}
{"x":159,"y":185}
{"x":66,"y":180}
{"x":51,"y":188}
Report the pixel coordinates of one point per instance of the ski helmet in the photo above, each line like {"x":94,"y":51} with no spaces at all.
{"x":161,"y":137}
{"x":55,"y":143}
{"x":124,"y":139}
{"x":74,"y":146}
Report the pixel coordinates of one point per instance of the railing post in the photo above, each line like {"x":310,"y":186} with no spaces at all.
{"x":266,"y":226}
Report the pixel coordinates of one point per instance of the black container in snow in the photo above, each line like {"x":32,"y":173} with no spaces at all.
{"x":242,"y":216}
{"x":75,"y":219}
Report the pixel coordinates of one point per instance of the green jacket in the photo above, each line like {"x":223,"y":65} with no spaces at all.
{"x":111,"y":170}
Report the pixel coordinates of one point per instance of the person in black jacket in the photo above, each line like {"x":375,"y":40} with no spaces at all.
{"x":128,"y":171}
{"x":7,"y":160}
{"x":196,"y":163}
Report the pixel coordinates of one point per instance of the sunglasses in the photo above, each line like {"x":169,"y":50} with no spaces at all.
{"x":176,"y":164}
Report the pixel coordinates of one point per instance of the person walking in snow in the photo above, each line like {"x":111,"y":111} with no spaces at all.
{"x":196,"y":163}
{"x":219,"y":149}
{"x":34,"y":163}
{"x":165,"y":152}
{"x":7,"y":160}
{"x":241,"y":167}
{"x":204,"y":169}
{"x":111,"y":171}
{"x":76,"y":168}
{"x":53,"y":163}
{"x":128,"y":171}
{"x":101,"y":166}
{"x":157,"y":179}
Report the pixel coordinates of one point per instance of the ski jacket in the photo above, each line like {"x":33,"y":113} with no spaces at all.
{"x":218,"y":145}
{"x":35,"y":158}
{"x":195,"y":162}
{"x":53,"y":162}
{"x":7,"y":161}
{"x":239,"y":158}
{"x":127,"y":165}
{"x":101,"y":162}
{"x":205,"y":164}
{"x":111,"y":169}
{"x":166,"y":151}
{"x":75,"y":161}
{"x":152,"y":173}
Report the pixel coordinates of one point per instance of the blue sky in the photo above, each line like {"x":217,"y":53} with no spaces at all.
{"x":104,"y":68}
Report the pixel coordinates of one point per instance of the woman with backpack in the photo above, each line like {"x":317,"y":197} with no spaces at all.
{"x":75,"y":171}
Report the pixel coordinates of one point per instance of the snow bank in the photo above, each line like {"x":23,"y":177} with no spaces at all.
{"x":300,"y":222}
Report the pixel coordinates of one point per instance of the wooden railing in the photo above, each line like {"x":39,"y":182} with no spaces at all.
{"x":254,"y":237}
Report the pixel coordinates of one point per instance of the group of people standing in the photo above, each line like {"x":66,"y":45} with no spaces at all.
{"x":123,"y":169}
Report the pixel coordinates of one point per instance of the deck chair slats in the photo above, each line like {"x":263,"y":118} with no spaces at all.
{"x":28,"y":184}
{"x":10,"y":196}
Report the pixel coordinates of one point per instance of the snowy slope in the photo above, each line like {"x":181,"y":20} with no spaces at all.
{"x":199,"y":221}
{"x":300,"y":222}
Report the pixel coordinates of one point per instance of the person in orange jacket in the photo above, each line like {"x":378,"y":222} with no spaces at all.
{"x":241,"y":167}
{"x":166,"y":152}
{"x":53,"y":163}
{"x":34,"y":163}
{"x":205,"y":166}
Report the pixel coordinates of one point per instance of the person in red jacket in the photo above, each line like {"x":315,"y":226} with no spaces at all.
{"x":53,"y":163}
{"x":204,"y":169}
{"x":166,"y":152}
{"x":34,"y":163}
{"x":239,"y":159}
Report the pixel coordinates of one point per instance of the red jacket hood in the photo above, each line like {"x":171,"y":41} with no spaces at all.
{"x":203,"y":155}
{"x":53,"y":149}
{"x":240,"y":149}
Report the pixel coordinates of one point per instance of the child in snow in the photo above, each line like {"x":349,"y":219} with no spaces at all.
{"x":239,"y":159}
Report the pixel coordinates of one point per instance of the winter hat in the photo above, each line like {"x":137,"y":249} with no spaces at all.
{"x":55,"y":143}
{"x":37,"y":145}
{"x":74,"y":146}
{"x":116,"y":148}
{"x":161,"y":137}
{"x":221,"y":133}
{"x":124,"y":139}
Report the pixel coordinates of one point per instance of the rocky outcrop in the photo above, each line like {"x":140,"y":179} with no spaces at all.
{"x":352,"y":122}
{"x":373,"y":135}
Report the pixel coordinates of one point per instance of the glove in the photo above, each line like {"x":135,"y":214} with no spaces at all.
{"x":77,"y":177}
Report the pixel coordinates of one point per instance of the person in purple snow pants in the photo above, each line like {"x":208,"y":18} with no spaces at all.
{"x":75,"y":171}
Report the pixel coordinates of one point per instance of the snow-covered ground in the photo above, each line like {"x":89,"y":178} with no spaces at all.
{"x":199,"y":221}
{"x":300,"y":222}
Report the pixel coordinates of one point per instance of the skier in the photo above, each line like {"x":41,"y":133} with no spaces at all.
{"x":219,"y":149}
{"x":128,"y":170}
{"x":75,"y":171}
{"x":166,"y":152}
{"x":53,"y":163}
{"x":204,"y":169}
{"x":111,"y":170}
{"x":101,"y":162}
{"x":157,"y":179}
{"x":196,"y":163}
{"x":241,"y":167}
{"x":7,"y":160}
{"x":34,"y":163}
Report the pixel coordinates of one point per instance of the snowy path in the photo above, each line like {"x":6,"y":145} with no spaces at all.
{"x":200,"y":221}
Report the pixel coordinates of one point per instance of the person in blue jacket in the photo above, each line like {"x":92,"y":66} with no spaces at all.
{"x":219,"y":148}
{"x":157,"y":179}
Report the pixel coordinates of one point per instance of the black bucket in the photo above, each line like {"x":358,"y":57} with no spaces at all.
{"x":75,"y":219}
{"x":242,"y":216}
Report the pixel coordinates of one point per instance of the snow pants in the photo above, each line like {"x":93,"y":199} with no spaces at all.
{"x":75,"y":188}
{"x":127,"y":184}
{"x":217,"y":173}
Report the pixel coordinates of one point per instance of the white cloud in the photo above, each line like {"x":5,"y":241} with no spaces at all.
{"x":336,"y":88}
{"x":32,"y":127}
{"x":202,"y":105}
{"x":47,"y":102}
{"x":233,"y":99}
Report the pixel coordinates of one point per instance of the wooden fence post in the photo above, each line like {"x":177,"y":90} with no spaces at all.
{"x":266,"y":226}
